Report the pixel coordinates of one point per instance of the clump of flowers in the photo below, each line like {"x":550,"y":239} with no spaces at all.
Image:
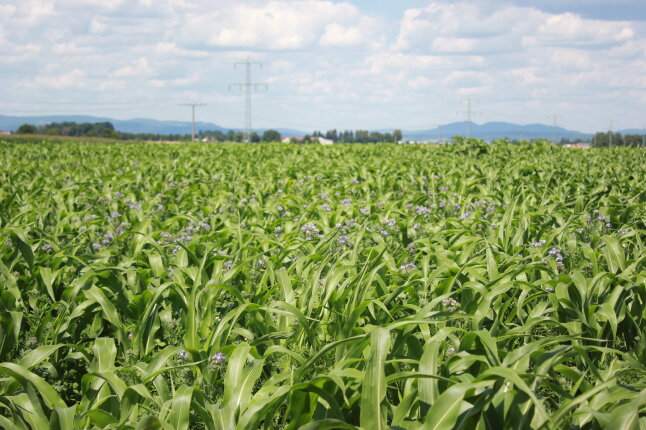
{"x":182,"y":355}
{"x":450,"y":304}
{"x":556,"y":254}
{"x":216,"y":360}
{"x":537,"y":244}
{"x":390,"y":222}
{"x":310,"y":230}
{"x":422,"y":210}
{"x":407,"y":268}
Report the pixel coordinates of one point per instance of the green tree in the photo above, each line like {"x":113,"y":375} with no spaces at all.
{"x":397,"y":135}
{"x":26,"y":129}
{"x":271,"y":136}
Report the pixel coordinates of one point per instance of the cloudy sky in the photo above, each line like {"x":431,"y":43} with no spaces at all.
{"x":329,"y":64}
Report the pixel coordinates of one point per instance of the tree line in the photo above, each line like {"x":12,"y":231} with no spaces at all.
{"x":600,"y":140}
{"x":106,"y":130}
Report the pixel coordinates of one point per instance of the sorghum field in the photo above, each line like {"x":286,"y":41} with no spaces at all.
{"x":205,"y":286}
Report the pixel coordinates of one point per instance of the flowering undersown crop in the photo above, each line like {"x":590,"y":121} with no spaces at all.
{"x":306,"y":287}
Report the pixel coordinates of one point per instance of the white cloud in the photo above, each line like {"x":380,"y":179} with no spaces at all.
{"x":324,"y":59}
{"x":527,"y":76}
{"x":453,"y":44}
{"x":139,"y":69}
{"x":569,"y":29}
{"x":282,"y":25}
{"x":74,"y":78}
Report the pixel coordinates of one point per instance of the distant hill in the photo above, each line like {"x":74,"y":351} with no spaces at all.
{"x":495,"y":130}
{"x":137,"y":125}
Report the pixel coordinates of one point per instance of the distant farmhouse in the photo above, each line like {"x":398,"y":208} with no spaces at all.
{"x":319,"y":140}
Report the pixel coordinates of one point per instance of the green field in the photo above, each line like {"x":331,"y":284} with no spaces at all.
{"x":349,"y":286}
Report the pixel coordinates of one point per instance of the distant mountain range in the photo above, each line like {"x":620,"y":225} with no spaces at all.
{"x":496,"y":130}
{"x":488,"y":131}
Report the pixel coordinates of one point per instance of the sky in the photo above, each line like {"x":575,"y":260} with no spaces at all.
{"x":369,"y":64}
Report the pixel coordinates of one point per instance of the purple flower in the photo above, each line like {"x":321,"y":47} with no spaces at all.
{"x":364,"y":211}
{"x":218,"y":358}
{"x":96,"y":246}
{"x":451,"y":304}
{"x":182,"y":354}
{"x":47,"y":247}
{"x":407,"y":268}
{"x":310,"y":230}
{"x":346,"y":202}
{"x":390,"y":222}
{"x":421,"y":210}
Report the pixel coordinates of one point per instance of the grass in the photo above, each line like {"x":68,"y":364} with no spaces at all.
{"x":280,"y":286}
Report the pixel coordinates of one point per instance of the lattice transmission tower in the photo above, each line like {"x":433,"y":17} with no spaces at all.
{"x":248,"y":85}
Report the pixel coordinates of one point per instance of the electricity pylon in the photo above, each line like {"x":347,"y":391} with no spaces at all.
{"x":469,"y":113}
{"x":192,"y":105}
{"x":247,"y":85}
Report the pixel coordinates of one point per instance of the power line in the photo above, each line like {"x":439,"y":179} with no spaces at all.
{"x":247,"y":85}
{"x":469,"y":113}
{"x":192,"y":105}
{"x":555,"y":118}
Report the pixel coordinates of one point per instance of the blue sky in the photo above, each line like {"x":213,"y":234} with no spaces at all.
{"x":329,"y":64}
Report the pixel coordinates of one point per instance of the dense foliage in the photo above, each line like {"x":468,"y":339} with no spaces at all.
{"x":600,"y":140}
{"x":231,"y":286}
{"x":69,"y":128}
{"x":106,"y":130}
